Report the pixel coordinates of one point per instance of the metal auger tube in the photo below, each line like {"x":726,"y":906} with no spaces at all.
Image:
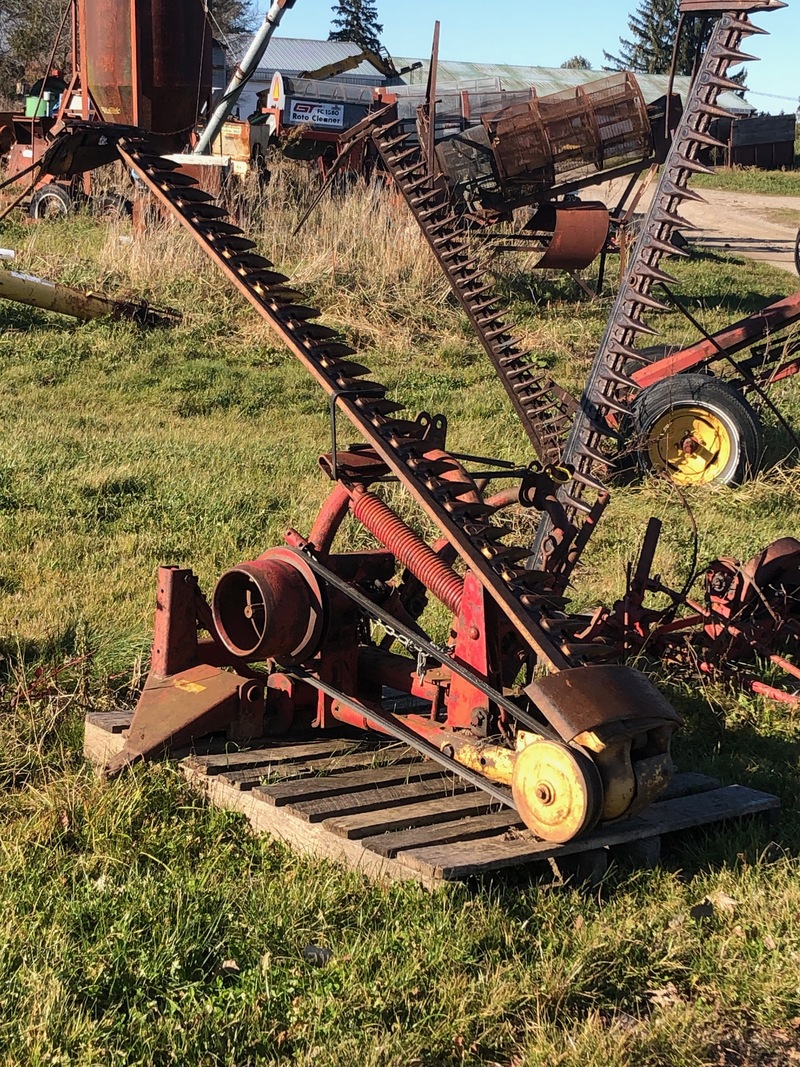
{"x":242,"y":75}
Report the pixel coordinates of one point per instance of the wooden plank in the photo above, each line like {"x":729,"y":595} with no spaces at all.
{"x":324,"y":774}
{"x":687,"y":784}
{"x":454,"y":862}
{"x":99,"y":744}
{"x":311,"y":839}
{"x":112,"y":721}
{"x":346,"y":782}
{"x":424,"y":814}
{"x":273,"y":756}
{"x":468,"y":829}
{"x":386,"y":798}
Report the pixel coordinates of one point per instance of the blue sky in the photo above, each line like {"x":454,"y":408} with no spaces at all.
{"x":546,"y":32}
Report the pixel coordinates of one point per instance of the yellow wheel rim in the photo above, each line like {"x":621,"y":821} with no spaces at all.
{"x":691,"y":444}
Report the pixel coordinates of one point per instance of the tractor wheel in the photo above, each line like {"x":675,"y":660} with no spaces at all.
{"x":698,"y":430}
{"x":51,"y":202}
{"x":111,"y":206}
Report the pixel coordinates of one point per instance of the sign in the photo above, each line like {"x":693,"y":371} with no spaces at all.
{"x":277,"y":93}
{"x":310,"y":113}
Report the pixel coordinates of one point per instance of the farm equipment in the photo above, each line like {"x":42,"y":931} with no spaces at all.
{"x":145,"y":64}
{"x":750,"y":612}
{"x":521,"y":699}
{"x":694,"y":427}
{"x":585,"y":744}
{"x":64,"y":300}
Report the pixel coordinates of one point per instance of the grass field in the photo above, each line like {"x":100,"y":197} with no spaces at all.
{"x":139,"y":927}
{"x":752,"y":180}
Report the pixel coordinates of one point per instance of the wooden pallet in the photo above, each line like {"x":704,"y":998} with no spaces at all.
{"x":383,"y":810}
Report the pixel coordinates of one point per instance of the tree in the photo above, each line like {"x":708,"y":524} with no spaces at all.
{"x":357,"y":21}
{"x":653,"y":28}
{"x":577,"y":63}
{"x":233,"y":16}
{"x":28,"y":29}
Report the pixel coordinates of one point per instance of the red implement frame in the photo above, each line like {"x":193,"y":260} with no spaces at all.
{"x":743,"y":334}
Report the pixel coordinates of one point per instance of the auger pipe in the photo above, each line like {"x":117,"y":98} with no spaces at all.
{"x":53,"y":296}
{"x":241,"y":76}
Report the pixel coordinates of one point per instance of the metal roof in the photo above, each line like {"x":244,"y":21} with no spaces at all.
{"x":544,"y":79}
{"x":293,"y":55}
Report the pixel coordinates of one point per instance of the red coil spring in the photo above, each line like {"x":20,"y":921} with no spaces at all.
{"x":410,"y":549}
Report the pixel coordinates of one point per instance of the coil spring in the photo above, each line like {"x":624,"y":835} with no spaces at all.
{"x":409,"y":548}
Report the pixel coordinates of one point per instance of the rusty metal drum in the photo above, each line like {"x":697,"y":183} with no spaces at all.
{"x":147,"y":62}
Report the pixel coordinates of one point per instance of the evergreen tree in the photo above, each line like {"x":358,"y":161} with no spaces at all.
{"x":233,"y":16}
{"x":357,"y":21}
{"x":577,"y":63}
{"x":649,"y":49}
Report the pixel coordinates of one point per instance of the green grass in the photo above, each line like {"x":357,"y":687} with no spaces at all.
{"x":751,"y":180}
{"x":121,"y":906}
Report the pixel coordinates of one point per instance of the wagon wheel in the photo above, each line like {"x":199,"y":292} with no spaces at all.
{"x":698,"y":430}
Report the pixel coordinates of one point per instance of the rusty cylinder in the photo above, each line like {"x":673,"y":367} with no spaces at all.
{"x":409,"y":548}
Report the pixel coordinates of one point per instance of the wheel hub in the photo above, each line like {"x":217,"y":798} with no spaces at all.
{"x":557,"y":790}
{"x":691,"y":443}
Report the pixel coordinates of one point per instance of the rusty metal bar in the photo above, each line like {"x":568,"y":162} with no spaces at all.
{"x":740,"y":335}
{"x":53,"y":296}
{"x":400,"y":443}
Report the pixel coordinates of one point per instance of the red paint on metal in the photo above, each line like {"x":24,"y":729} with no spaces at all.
{"x":147,"y":62}
{"x":329,"y":519}
{"x":270,"y":608}
{"x":741,"y":334}
{"x":579,"y":232}
{"x":475,"y":641}
{"x":409,"y":548}
{"x":175,"y":632}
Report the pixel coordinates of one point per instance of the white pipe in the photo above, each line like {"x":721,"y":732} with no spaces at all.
{"x":242,"y":75}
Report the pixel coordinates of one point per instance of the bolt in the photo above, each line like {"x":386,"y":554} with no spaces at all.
{"x":473,"y":633}
{"x":544,"y":793}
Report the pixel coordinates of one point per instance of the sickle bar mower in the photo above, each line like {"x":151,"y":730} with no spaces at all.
{"x":306,"y":637}
{"x":520,"y":699}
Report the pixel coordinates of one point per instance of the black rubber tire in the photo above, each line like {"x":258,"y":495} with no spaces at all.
{"x":797,"y":252}
{"x":111,"y":206}
{"x":51,"y":201}
{"x":718,"y":398}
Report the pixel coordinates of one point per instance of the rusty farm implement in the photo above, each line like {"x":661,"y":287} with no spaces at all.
{"x":523,"y":701}
{"x":667,"y":408}
{"x":307,"y":640}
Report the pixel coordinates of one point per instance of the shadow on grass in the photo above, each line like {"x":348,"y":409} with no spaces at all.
{"x":780,"y":447}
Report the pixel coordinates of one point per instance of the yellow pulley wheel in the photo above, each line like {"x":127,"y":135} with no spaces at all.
{"x":691,"y":444}
{"x":557,"y":790}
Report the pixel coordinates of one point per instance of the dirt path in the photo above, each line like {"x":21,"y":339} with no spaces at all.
{"x":744,"y":224}
{"x":747,"y":224}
